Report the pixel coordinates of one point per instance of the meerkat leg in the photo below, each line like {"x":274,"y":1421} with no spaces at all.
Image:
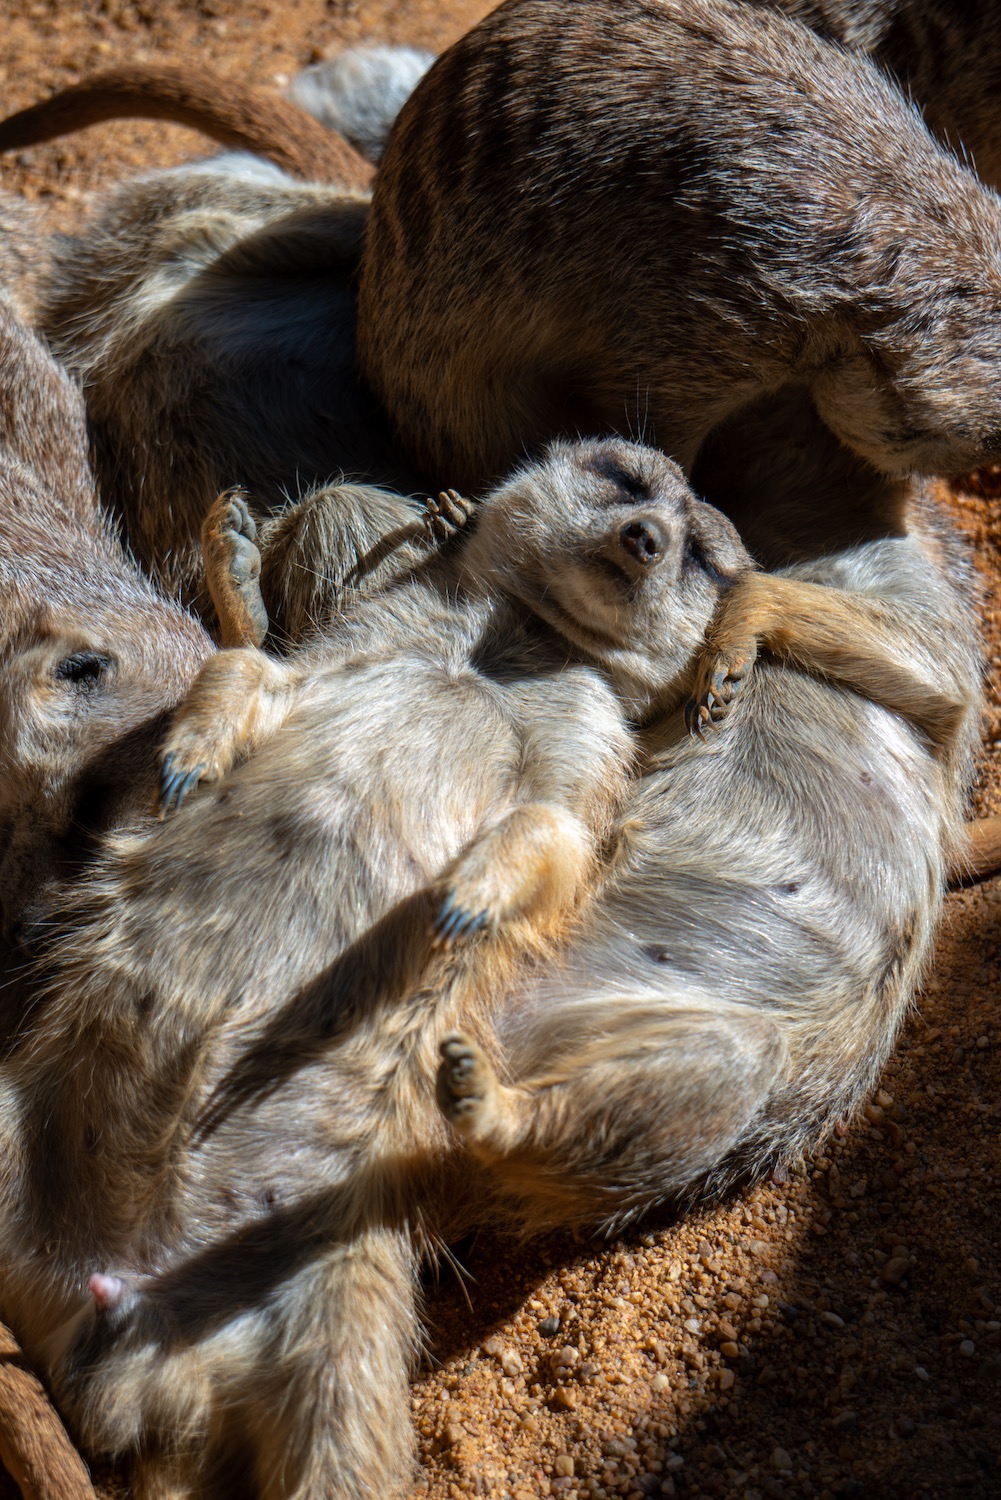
{"x":233,"y":570}
{"x":855,"y":639}
{"x":982,"y":855}
{"x":342,"y":1359}
{"x":636,"y":1112}
{"x":238,"y":699}
{"x":344,"y":542}
{"x":533,"y":863}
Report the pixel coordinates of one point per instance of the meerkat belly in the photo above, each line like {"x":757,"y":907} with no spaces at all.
{"x":383,"y":771}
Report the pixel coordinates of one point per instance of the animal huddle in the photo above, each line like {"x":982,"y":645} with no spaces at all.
{"x":414,"y":919}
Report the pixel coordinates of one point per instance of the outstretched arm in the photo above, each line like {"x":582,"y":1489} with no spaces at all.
{"x":855,"y":639}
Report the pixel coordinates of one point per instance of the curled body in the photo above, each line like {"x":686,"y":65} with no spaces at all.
{"x":222,"y":309}
{"x":209,"y":312}
{"x":758,"y":207}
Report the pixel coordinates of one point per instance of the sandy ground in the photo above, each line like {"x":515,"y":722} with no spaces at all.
{"x":836,"y":1334}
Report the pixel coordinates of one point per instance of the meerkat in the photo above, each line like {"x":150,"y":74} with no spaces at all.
{"x":89,"y":657}
{"x":270,"y":1134}
{"x":580,"y":598}
{"x":185,"y":299}
{"x":643,"y":275}
{"x":821,"y":297}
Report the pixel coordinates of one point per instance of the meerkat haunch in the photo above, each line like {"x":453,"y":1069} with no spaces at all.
{"x":703,"y":202}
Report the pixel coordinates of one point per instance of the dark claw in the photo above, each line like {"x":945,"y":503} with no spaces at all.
{"x":175,"y":786}
{"x":454,"y":922}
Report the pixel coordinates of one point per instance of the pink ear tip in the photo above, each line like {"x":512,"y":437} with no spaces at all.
{"x":106,"y":1290}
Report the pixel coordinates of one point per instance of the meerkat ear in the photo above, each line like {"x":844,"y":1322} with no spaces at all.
{"x":720,"y":539}
{"x":84,"y":669}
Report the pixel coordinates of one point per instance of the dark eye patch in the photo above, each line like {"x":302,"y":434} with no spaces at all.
{"x":84,"y":669}
{"x":606,"y":467}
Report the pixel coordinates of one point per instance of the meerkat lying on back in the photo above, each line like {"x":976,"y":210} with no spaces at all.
{"x":576,"y":607}
{"x":235,"y":1204}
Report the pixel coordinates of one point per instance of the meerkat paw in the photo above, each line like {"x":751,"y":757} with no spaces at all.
{"x":237,"y":697}
{"x":531,"y":864}
{"x":446,"y":515}
{"x":468,"y":1092}
{"x":233,"y":570}
{"x":720,"y":677}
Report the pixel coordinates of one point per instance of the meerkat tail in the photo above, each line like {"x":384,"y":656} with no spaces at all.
{"x":981,"y":854}
{"x":227,"y":111}
{"x":34,"y":1446}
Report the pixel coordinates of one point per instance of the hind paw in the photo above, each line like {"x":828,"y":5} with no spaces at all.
{"x":233,"y":570}
{"x":467,"y":1084}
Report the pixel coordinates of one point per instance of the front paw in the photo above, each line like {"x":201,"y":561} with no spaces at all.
{"x":720,"y":677}
{"x":455,"y":922}
{"x":447,"y":515}
{"x":177,"y":779}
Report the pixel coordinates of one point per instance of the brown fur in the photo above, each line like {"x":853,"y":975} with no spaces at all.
{"x":80,"y":682}
{"x":875,"y":285}
{"x":942,"y":55}
{"x":270,"y":267}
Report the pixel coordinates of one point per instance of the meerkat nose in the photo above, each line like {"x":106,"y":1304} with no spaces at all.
{"x":644,"y":540}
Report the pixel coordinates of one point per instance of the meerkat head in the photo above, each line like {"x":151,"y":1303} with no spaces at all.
{"x":84,"y":697}
{"x":606,"y":541}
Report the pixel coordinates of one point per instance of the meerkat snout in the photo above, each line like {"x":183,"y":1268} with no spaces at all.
{"x":643,"y":541}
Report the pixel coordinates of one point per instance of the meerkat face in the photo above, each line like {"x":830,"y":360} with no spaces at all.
{"x":81,"y":708}
{"x":606,"y":541}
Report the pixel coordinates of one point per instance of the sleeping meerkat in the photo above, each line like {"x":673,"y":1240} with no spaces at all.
{"x":270,"y":1134}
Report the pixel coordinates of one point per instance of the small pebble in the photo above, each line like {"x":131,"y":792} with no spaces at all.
{"x":968,"y":1348}
{"x":563,"y":1465}
{"x":894,"y":1270}
{"x":660,"y":1382}
{"x":726,"y":1379}
{"x":781,"y":1459}
{"x":549,"y":1326}
{"x":729,"y":1349}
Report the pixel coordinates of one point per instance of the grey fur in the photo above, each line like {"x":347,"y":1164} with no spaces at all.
{"x":360,"y":91}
